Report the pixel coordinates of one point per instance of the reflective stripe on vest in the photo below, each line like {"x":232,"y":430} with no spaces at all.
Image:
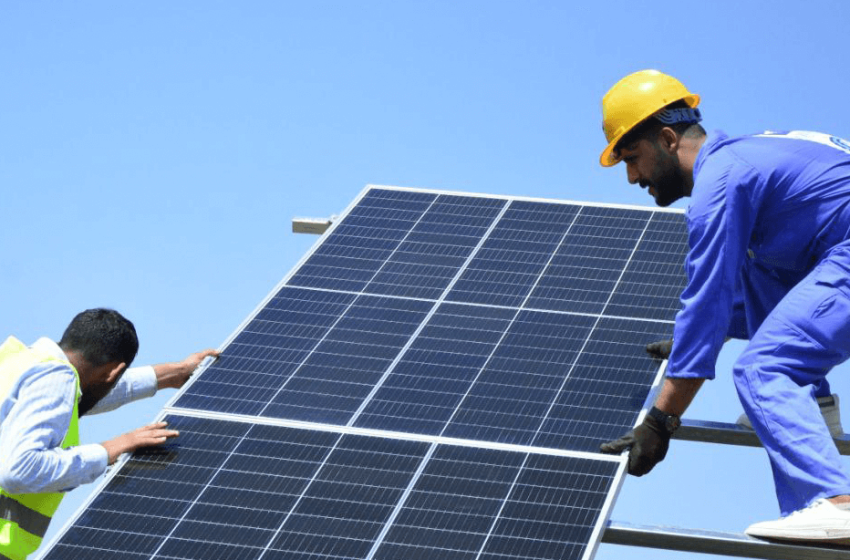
{"x":24,"y":517}
{"x":27,"y":519}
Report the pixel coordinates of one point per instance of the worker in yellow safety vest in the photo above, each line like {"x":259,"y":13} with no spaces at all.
{"x":44,"y":389}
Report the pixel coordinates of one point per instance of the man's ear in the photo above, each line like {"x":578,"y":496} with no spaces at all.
{"x":668,"y":139}
{"x":115,"y":372}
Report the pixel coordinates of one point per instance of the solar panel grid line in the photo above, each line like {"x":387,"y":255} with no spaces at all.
{"x":291,"y":510}
{"x":341,"y":315}
{"x":588,"y":544}
{"x":141,"y":535}
{"x":366,"y":359}
{"x":112,"y":472}
{"x":413,"y":245}
{"x":386,"y":434}
{"x":507,"y":307}
{"x":313,"y":352}
{"x":365,"y":287}
{"x":101,"y":550}
{"x":260,"y":306}
{"x":532,"y":231}
{"x":510,"y":323}
{"x":575,"y":313}
{"x":299,"y":499}
{"x":467,"y":496}
{"x":421,"y":462}
{"x":498,"y":515}
{"x":379,"y":540}
{"x":427,"y":318}
{"x":583,"y":382}
{"x":254,"y":359}
{"x":584,"y":272}
{"x":592,"y":329}
{"x":503,"y":400}
{"x":407,"y":269}
{"x":625,"y":263}
{"x":519,"y":198}
{"x":495,"y":306}
{"x":471,"y":498}
{"x":188,"y":509}
{"x":507,"y":359}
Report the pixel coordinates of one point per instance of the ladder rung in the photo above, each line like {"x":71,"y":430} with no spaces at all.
{"x":711,"y":542}
{"x":732,"y":434}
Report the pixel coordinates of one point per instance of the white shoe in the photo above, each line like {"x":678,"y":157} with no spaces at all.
{"x":822,"y":521}
{"x":828,"y":409}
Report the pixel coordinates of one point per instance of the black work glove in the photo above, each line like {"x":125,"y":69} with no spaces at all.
{"x":660,"y":349}
{"x":647,"y":446}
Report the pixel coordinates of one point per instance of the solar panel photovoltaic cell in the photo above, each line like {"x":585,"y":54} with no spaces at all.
{"x":432,"y":381}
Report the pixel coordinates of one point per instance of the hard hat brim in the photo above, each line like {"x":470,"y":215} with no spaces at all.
{"x":608,"y":159}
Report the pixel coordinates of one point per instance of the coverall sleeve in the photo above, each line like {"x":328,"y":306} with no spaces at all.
{"x":738,"y":321}
{"x":33,"y":460}
{"x":720,"y":224}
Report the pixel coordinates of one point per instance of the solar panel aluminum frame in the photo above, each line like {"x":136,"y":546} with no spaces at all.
{"x":170,"y":409}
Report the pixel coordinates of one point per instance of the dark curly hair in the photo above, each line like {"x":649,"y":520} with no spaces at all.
{"x":101,"y":336}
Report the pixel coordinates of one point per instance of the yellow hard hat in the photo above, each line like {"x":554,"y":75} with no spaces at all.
{"x":634,"y":99}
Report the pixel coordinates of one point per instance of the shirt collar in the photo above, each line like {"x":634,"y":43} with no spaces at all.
{"x":712,"y":141}
{"x":47,"y":346}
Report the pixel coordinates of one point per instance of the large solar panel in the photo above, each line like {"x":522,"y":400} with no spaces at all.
{"x":433,"y":380}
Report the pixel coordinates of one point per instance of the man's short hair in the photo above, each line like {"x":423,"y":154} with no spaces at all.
{"x":652,"y":126}
{"x":101,"y":336}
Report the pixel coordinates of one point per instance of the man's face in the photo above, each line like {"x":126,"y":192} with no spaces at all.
{"x":648,"y":165}
{"x":99,"y":387}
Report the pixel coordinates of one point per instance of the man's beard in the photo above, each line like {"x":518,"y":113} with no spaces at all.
{"x":668,"y":180}
{"x":92,"y":396}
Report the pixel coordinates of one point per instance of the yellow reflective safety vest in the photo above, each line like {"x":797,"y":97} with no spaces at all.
{"x":24,"y":517}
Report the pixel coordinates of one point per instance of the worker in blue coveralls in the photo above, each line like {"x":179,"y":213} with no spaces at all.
{"x":44,"y":389}
{"x":769,"y":250}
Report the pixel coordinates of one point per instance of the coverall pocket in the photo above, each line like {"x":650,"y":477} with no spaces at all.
{"x":826,"y":308}
{"x":829,"y":320}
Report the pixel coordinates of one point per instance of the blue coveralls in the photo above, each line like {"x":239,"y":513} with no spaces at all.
{"x":769,"y":235}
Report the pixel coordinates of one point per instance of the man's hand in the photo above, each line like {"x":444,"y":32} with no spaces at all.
{"x":660,"y":349}
{"x":647,"y":446}
{"x":175,"y":374}
{"x":146,"y":436}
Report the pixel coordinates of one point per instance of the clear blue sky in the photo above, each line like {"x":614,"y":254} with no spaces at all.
{"x":153,"y":154}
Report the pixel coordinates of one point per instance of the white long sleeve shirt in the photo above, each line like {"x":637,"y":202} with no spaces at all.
{"x":34,"y":418}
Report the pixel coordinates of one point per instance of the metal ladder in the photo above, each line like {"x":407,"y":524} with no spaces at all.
{"x":711,"y":542}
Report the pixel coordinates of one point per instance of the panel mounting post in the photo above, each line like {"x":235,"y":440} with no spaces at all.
{"x":316,"y":226}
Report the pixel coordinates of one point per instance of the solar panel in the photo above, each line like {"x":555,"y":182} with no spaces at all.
{"x":433,"y":380}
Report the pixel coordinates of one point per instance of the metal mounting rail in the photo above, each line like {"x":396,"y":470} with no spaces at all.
{"x":732,"y":434}
{"x":710,"y":542}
